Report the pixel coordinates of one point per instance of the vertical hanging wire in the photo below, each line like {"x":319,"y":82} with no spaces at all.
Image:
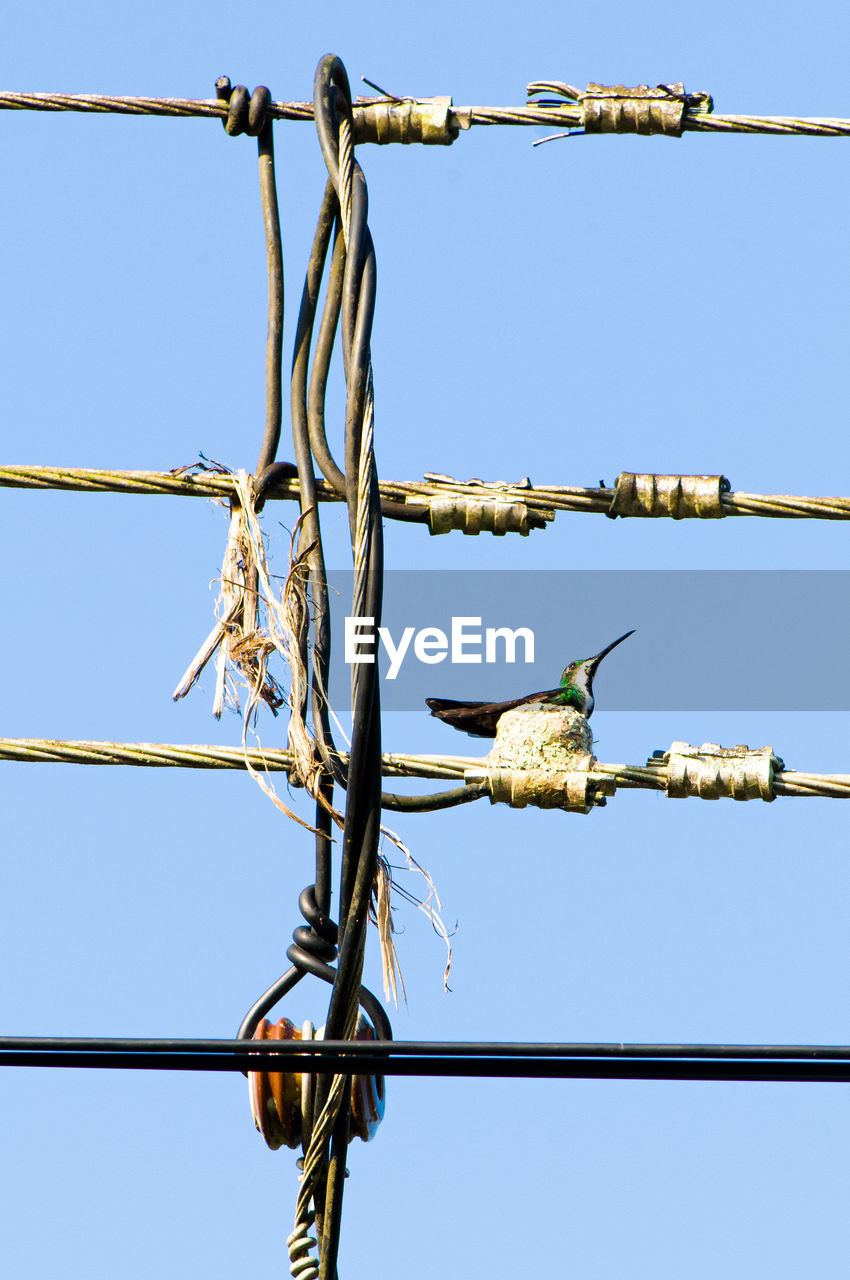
{"x":251,"y":114}
{"x":310,"y":537}
{"x":351,"y":293}
{"x":324,"y":1161}
{"x":363,"y":799}
{"x":274,"y":260}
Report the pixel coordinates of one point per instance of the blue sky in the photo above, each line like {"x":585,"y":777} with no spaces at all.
{"x":564,"y":312}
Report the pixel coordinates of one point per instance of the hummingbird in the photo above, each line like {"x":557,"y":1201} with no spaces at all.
{"x":479,"y":719}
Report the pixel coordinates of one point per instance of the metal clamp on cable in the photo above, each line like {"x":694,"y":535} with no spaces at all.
{"x":430,"y":121}
{"x":574,"y":790}
{"x":474,"y":517}
{"x":618,"y":108}
{"x":682,"y":497}
{"x":712,"y":772}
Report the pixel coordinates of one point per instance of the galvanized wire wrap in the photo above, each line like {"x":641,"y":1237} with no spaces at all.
{"x":302,"y":1265}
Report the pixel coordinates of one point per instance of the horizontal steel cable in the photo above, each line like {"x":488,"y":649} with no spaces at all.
{"x":544,"y":498}
{"x":569,"y":117}
{"x":786,"y":782}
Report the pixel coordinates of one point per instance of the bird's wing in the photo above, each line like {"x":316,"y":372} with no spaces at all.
{"x":448,"y":704}
{"x":479,"y":719}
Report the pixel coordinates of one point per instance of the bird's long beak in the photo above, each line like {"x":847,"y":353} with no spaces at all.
{"x":592,"y":663}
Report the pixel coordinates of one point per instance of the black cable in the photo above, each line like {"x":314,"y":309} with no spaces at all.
{"x":332,"y":95}
{"x":436,"y":799}
{"x":768,"y":1063}
{"x":307,"y":961}
{"x":267,"y":1001}
{"x":311,"y":528}
{"x":250,"y":114}
{"x":332,"y":100}
{"x":324,"y":847}
{"x":435,"y":1048}
{"x":332,"y":1213}
{"x":322,"y":361}
{"x":308,"y":429}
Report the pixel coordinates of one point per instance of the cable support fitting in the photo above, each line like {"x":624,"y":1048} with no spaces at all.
{"x":472,"y":516}
{"x":282,"y":1101}
{"x":576,"y":790}
{"x":618,"y":108}
{"x":682,"y":497}
{"x":483,"y":512}
{"x":430,"y":121}
{"x":712,"y":772}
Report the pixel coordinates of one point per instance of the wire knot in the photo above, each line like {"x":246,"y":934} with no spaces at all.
{"x":317,"y":939}
{"x":246,"y":112}
{"x":712,"y":772}
{"x":682,"y":497}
